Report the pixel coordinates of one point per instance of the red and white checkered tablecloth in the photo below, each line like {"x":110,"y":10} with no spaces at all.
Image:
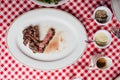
{"x":11,"y":69}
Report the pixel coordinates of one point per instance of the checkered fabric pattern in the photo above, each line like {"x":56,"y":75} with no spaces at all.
{"x":11,"y":69}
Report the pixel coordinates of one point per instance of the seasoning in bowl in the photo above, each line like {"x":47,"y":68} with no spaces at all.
{"x":101,"y":39}
{"x":101,"y":16}
{"x":101,"y":62}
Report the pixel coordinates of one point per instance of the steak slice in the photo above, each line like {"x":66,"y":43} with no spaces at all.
{"x":46,"y":40}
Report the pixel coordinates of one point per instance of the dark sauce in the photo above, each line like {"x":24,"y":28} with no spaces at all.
{"x":101,"y":16}
{"x":101,"y":63}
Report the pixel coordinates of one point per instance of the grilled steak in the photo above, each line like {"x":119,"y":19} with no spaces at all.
{"x":46,"y":40}
{"x":32,"y":38}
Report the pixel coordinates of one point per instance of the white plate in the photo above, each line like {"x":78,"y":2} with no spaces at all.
{"x":49,"y":5}
{"x":61,"y":21}
{"x":116,"y":8}
{"x":46,"y":21}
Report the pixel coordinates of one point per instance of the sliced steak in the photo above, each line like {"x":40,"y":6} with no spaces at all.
{"x":31,"y":36}
{"x":46,"y":40}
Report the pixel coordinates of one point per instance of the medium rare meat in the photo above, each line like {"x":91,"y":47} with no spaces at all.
{"x":31,"y":36}
{"x":46,"y":40}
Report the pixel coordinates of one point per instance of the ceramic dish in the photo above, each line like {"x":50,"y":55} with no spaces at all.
{"x":109,"y":14}
{"x":94,"y":59}
{"x":49,"y":5}
{"x":108,"y":37}
{"x":60,"y":20}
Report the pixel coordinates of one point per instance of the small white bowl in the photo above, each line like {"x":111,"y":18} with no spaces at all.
{"x":96,"y":57}
{"x":108,"y":36}
{"x":109,"y":14}
{"x":49,"y":5}
{"x":108,"y":61}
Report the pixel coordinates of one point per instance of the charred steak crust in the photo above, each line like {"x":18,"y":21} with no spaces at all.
{"x":31,"y":36}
